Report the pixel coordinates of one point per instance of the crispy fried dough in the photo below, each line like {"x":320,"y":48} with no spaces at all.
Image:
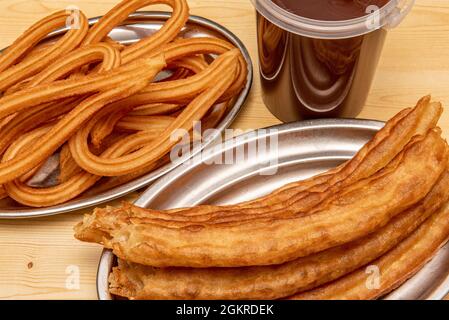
{"x":201,"y":245}
{"x":153,"y":151}
{"x":46,"y":81}
{"x":304,"y":195}
{"x":395,"y":267}
{"x":273,"y":282}
{"x":13,"y":70}
{"x":18,"y":163}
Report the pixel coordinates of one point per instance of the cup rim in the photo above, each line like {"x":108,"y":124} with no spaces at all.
{"x":394,"y":10}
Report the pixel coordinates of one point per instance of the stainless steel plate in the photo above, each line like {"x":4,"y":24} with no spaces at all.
{"x":304,"y":149}
{"x":140,"y":25}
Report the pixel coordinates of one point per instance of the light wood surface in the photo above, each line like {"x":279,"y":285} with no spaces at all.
{"x":38,"y":257}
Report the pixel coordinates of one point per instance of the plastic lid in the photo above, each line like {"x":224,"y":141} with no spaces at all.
{"x":388,"y":16}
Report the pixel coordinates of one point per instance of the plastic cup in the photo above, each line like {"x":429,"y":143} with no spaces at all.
{"x":319,"y":69}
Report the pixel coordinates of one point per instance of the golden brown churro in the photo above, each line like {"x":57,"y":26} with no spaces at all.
{"x":203,"y":245}
{"x":395,"y":267}
{"x":119,"y":13}
{"x":273,"y":282}
{"x":143,"y":72}
{"x":55,"y":81}
{"x":13,"y":71}
{"x":152,"y":152}
{"x":13,"y":168}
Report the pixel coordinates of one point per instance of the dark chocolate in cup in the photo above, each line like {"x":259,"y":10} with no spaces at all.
{"x":318,"y":62}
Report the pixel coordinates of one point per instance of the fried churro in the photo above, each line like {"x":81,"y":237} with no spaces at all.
{"x":70,"y":78}
{"x":304,"y":195}
{"x":273,"y":282}
{"x":145,"y":70}
{"x":59,"y":133}
{"x":395,"y":267}
{"x":13,"y":70}
{"x":120,"y":13}
{"x":154,"y":150}
{"x":204,"y":245}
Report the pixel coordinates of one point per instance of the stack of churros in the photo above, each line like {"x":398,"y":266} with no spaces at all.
{"x":98,"y":104}
{"x":387,"y":208}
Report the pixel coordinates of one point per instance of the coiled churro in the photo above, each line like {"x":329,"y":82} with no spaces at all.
{"x":143,"y":71}
{"x":13,"y":71}
{"x":59,"y":133}
{"x":153,"y":151}
{"x":55,"y":81}
{"x":119,"y":13}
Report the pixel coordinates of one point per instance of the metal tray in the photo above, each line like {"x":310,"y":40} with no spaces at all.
{"x":139,"y":25}
{"x":304,"y":149}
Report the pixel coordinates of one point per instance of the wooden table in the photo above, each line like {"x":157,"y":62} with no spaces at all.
{"x":40,"y":258}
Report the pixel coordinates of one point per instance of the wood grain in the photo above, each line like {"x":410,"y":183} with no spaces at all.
{"x":39,"y":257}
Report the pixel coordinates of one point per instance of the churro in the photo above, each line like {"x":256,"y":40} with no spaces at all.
{"x":204,"y":245}
{"x":143,"y":71}
{"x":68,"y":79}
{"x":120,"y":13}
{"x":154,"y":150}
{"x":395,"y":267}
{"x":12,"y":70}
{"x":273,"y":282}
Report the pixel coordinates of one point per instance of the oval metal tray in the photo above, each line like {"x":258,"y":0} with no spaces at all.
{"x":139,"y":25}
{"x":304,"y":149}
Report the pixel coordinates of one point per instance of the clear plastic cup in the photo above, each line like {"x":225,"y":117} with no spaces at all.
{"x":317,"y":69}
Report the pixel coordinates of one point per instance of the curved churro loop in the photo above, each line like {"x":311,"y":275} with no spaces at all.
{"x":120,"y":13}
{"x":65,"y":191}
{"x":144,"y":123}
{"x":187,"y":47}
{"x":60,"y":89}
{"x":183,"y":90}
{"x":13,"y":72}
{"x":140,"y":73}
{"x":153,"y":151}
{"x":137,"y":140}
{"x":27,"y":121}
{"x":37,"y":197}
{"x":77,"y":180}
{"x":179,"y":91}
{"x":67,"y":165}
{"x":105,"y":127}
{"x":31,"y":119}
{"x":108,"y":55}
